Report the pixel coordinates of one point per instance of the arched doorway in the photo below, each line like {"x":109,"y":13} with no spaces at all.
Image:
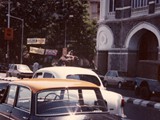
{"x":148,"y":46}
{"x":142,"y":43}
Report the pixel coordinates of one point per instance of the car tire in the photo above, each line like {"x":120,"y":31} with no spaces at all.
{"x":19,"y":76}
{"x":137,"y":91}
{"x":120,"y":85}
{"x":145,"y":93}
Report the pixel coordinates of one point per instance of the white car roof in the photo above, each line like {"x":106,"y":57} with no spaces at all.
{"x":63,"y":71}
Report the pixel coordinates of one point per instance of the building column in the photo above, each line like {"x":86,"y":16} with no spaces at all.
{"x":123,"y":10}
{"x":101,"y":62}
{"x":103,"y":10}
{"x":151,"y":6}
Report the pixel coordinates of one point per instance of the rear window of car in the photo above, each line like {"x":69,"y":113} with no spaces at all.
{"x":88,"y":78}
{"x":62,"y":101}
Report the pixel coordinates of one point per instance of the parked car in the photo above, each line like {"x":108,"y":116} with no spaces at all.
{"x":115,"y":101}
{"x":113,"y":77}
{"x":3,"y":67}
{"x":19,"y":71}
{"x":48,"y":99}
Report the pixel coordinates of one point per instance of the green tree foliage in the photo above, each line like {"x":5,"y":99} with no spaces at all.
{"x":53,"y":20}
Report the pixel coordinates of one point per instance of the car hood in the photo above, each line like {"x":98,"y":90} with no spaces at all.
{"x":25,"y":71}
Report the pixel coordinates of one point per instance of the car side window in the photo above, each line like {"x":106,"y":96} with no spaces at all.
{"x":38,"y":75}
{"x":108,"y":73}
{"x":48,"y":75}
{"x":112,"y":74}
{"x":11,"y":67}
{"x":11,"y":95}
{"x":24,"y":99}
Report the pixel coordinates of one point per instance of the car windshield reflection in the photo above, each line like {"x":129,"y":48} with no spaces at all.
{"x":69,"y":101}
{"x":23,"y":67}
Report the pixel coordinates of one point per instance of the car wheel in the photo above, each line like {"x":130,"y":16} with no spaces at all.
{"x":145,"y":93}
{"x":137,"y":91}
{"x":120,"y":85}
{"x":19,"y":76}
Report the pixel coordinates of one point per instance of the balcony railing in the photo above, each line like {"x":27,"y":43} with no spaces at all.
{"x":138,"y":8}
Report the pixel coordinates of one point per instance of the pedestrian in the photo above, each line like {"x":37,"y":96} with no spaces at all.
{"x":35,"y":66}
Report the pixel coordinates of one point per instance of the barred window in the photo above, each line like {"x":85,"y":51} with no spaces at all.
{"x":139,"y":3}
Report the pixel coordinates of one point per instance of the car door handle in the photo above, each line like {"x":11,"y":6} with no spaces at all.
{"x":25,"y":118}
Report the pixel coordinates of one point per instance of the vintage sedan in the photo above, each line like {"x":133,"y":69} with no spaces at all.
{"x":119,"y":79}
{"x":19,"y":71}
{"x":58,"y":99}
{"x":115,"y":101}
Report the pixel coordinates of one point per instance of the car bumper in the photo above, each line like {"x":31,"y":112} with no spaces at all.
{"x":26,"y":75}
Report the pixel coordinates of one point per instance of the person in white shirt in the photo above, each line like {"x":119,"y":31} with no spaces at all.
{"x":35,"y":66}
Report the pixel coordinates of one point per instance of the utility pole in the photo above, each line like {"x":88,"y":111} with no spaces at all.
{"x":8,"y":26}
{"x":22,"y":35}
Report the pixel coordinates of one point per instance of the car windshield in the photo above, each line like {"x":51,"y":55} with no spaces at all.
{"x":88,"y":78}
{"x":62,"y":101}
{"x":23,"y":67}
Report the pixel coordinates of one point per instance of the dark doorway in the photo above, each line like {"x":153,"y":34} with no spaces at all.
{"x":148,"y":47}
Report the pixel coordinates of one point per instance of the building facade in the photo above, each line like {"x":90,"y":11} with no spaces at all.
{"x":128,"y":31}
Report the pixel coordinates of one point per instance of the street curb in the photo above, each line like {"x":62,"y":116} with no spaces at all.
{"x":143,"y":103}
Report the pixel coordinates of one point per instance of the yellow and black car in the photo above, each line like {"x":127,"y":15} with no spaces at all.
{"x":48,"y":99}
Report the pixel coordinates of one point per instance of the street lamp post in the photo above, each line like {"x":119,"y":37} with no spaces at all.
{"x":22,"y":36}
{"x":65,"y":34}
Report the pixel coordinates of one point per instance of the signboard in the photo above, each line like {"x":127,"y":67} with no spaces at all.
{"x":36,"y":41}
{"x":35,"y":50}
{"x":51,"y":52}
{"x":8,"y":34}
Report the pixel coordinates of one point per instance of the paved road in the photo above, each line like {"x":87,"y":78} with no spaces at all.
{"x":136,"y":112}
{"x":138,"y":109}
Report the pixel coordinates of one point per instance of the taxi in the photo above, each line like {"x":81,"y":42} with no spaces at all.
{"x":115,"y":100}
{"x":58,"y":99}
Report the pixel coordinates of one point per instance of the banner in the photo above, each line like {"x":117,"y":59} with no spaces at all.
{"x":36,"y":41}
{"x":35,"y":50}
{"x":51,"y":52}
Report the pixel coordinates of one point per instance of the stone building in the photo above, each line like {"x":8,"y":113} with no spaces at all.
{"x":129,"y":31}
